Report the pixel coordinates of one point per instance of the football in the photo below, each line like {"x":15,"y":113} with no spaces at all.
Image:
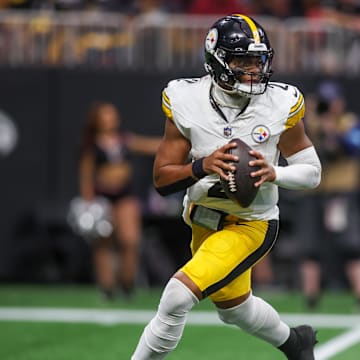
{"x":240,"y":186}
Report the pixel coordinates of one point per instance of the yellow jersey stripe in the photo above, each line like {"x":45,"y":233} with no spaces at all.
{"x":167,"y":111}
{"x":166,"y":106}
{"x":252,"y":27}
{"x":298,"y":103}
{"x":166,"y":98}
{"x":295,"y":116}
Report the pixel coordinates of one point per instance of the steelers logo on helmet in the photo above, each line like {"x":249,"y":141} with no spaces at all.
{"x":260,"y":133}
{"x":211,"y":39}
{"x":238,"y":55}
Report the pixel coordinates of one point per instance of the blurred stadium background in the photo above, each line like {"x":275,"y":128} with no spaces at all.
{"x":56,"y":57}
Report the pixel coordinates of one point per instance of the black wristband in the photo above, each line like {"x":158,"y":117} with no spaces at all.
{"x":197,"y":168}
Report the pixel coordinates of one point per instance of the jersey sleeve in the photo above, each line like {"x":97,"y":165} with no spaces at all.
{"x":177,"y":98}
{"x":297,"y":110}
{"x":172,"y":106}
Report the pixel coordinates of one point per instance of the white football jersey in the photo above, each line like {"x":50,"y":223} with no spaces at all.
{"x":188,"y":104}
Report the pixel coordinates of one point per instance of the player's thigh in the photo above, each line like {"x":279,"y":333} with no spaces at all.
{"x":225,"y":257}
{"x":241,"y":285}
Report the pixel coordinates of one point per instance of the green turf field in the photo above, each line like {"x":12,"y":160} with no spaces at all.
{"x":73,"y":322}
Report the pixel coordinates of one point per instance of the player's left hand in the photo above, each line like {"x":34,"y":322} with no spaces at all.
{"x":266,"y":172}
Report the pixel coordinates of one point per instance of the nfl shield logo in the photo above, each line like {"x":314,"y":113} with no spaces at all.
{"x":227,"y":131}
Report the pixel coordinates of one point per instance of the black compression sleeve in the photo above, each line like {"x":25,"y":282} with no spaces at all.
{"x":175,"y":187}
{"x":199,"y":173}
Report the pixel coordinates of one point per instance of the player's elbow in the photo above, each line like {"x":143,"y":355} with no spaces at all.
{"x":307,"y":167}
{"x":317,"y":169}
{"x":174,"y":187}
{"x":317,"y":177}
{"x":314,"y":177}
{"x":160,"y":189}
{"x":163,"y":190}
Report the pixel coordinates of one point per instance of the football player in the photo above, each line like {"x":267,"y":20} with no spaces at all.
{"x":234,"y":100}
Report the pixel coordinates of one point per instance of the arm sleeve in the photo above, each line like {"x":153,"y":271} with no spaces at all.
{"x":303,"y":171}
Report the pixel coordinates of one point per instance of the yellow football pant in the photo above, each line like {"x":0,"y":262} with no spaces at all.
{"x":222,"y":260}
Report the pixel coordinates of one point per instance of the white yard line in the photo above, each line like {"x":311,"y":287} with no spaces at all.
{"x":70,"y":315}
{"x":111,"y":317}
{"x":74,"y":315}
{"x":337,"y":344}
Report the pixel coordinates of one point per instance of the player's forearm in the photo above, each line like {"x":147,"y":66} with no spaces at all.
{"x":170,"y":179}
{"x":303,"y":171}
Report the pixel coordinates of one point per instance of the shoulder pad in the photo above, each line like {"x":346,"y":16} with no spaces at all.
{"x":177,"y":87}
{"x":294,"y":100}
{"x":297,"y":109}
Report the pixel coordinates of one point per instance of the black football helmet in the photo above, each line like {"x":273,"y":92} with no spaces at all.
{"x":241,"y":39}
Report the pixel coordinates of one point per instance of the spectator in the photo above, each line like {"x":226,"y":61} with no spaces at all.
{"x":16,"y":4}
{"x":328,"y":217}
{"x":220,"y":7}
{"x":314,"y":9}
{"x":151,"y":11}
{"x":281,"y":9}
{"x":105,"y":170}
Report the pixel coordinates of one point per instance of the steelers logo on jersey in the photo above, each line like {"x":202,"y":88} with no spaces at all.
{"x":211,"y":39}
{"x":260,"y":133}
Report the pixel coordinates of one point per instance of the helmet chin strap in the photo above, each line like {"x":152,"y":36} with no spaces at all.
{"x":229,"y":98}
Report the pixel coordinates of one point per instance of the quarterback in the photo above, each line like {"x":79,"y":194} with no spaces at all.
{"x":234,"y":100}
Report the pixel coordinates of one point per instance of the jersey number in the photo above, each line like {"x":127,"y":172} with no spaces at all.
{"x":217,"y":191}
{"x":284,"y":87}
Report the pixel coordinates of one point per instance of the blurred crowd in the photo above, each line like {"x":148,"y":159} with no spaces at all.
{"x":319,"y":237}
{"x":278,"y":8}
{"x":149,"y":33}
{"x":326,"y":223}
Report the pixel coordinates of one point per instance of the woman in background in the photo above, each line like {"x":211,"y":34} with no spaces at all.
{"x":105,"y":170}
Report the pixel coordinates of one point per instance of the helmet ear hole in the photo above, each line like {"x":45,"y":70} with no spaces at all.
{"x":224,"y":77}
{"x":209,"y":68}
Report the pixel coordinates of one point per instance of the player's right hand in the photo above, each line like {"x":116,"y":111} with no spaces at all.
{"x":220,"y":161}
